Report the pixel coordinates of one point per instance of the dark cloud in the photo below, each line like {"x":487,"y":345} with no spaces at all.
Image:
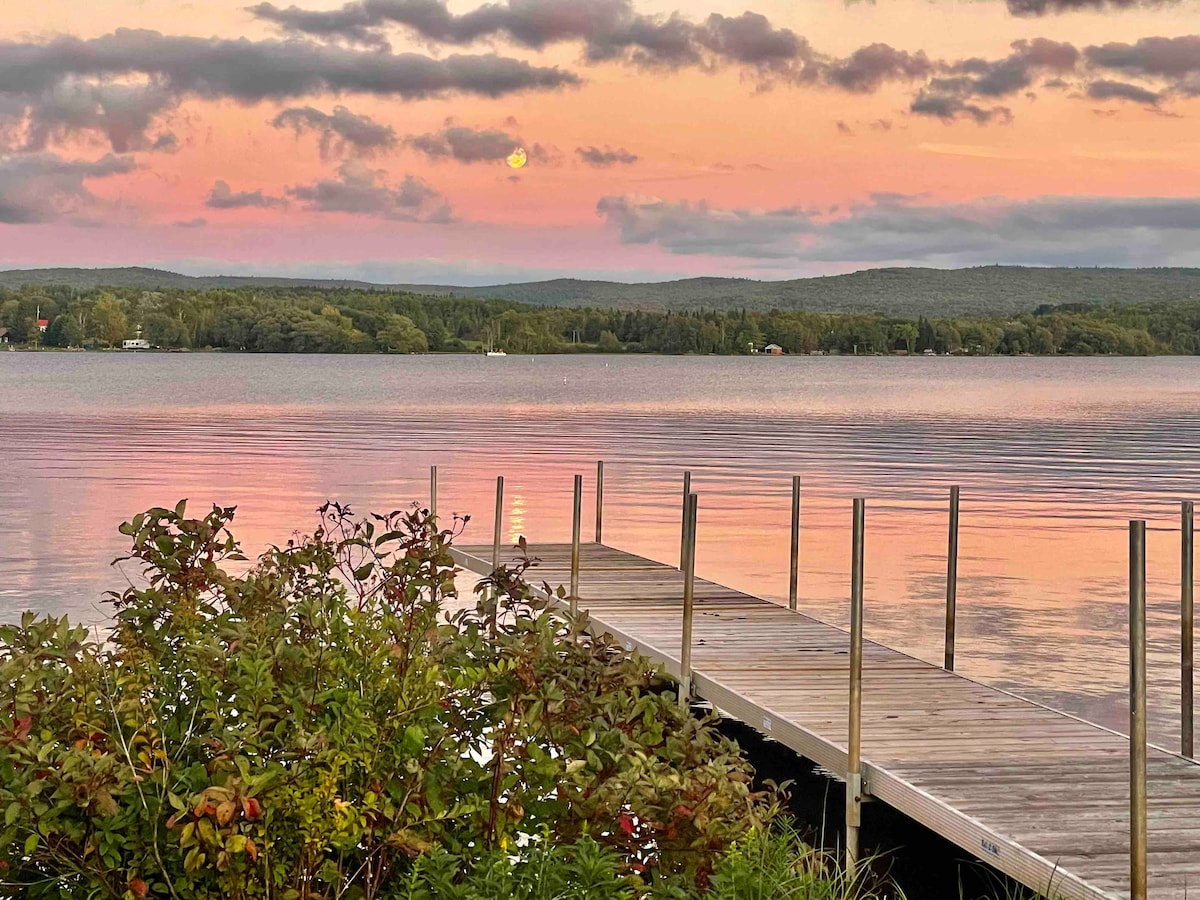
{"x":223,"y":197}
{"x":751,"y":40}
{"x":361,"y":190}
{"x":465,"y":144}
{"x":197,"y":222}
{"x":167,"y":142}
{"x":867,"y":68}
{"x":65,"y":85}
{"x":1034,"y":8}
{"x":894,"y":228}
{"x":531,"y":23}
{"x":611,"y":30}
{"x":949,"y":107}
{"x":354,"y":22}
{"x":594,"y":156}
{"x":1017,"y":71}
{"x":121,"y":113}
{"x":340,"y":131}
{"x":843,"y":128}
{"x":1122,"y":90}
{"x":1161,"y":57}
{"x":251,"y":71}
{"x":1173,"y":62}
{"x":615,"y":31}
{"x":687,"y":228}
{"x":42,"y":187}
{"x":954,"y":93}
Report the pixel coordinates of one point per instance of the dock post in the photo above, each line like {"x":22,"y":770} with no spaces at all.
{"x":689,"y":587}
{"x":599,"y":500}
{"x":951,"y":579}
{"x":575,"y":517}
{"x":854,"y":733}
{"x":433,"y":492}
{"x":1187,"y":632}
{"x":1137,"y":710}
{"x":794,"y":569}
{"x":496,"y":548}
{"x":687,"y":490}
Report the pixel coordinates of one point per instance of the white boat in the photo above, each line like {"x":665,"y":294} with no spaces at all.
{"x":496,"y":353}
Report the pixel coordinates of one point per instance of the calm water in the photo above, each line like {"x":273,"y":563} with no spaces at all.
{"x":1054,"y":457}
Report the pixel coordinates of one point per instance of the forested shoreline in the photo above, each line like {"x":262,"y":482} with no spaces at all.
{"x":300,"y":320}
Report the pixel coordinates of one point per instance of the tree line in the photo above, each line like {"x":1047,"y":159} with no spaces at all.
{"x":305,"y":320}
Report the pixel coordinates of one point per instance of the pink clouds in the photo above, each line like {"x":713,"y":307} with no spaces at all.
{"x":316,"y":151}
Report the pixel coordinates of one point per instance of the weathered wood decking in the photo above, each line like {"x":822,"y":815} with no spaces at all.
{"x":1042,"y":796}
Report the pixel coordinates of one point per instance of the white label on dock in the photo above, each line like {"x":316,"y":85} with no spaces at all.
{"x":766,"y":723}
{"x":989,"y":847}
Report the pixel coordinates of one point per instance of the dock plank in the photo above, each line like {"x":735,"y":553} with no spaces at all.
{"x":1039,"y":794}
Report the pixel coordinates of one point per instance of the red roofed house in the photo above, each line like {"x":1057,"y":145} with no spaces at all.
{"x":42,"y":323}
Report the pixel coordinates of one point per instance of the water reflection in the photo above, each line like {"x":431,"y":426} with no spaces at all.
{"x":1054,"y":457}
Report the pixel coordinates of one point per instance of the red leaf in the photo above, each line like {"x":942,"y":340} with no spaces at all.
{"x":625,"y":821}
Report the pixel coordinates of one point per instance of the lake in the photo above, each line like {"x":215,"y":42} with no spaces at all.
{"x":1054,"y":456}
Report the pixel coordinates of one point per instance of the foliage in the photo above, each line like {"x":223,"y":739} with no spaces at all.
{"x":774,"y":864}
{"x":318,"y":724}
{"x":341,"y":320}
{"x":344,"y":321}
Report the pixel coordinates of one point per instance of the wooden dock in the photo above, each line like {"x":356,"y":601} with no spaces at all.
{"x":1041,"y":795}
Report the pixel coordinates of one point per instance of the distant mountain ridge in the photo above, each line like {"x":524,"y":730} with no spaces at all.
{"x":990,"y":290}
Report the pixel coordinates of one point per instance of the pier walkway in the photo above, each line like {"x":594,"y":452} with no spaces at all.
{"x":1040,"y":795}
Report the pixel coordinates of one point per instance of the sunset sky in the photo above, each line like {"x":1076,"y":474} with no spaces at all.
{"x":769,"y":140}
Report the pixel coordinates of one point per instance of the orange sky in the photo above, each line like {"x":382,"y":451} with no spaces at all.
{"x":715,"y":152}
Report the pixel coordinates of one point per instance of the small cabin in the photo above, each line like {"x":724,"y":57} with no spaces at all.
{"x":43,"y":324}
{"x":135,"y":344}
{"x":773,"y":350}
{"x":3,"y":335}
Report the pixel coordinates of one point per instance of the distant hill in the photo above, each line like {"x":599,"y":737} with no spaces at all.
{"x":159,"y":279}
{"x":989,"y":290}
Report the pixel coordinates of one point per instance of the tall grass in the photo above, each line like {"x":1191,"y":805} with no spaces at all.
{"x":777,"y":865}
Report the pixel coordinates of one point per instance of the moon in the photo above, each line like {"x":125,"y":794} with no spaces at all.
{"x":517,"y":159}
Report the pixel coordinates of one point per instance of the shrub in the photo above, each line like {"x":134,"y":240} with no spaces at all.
{"x":319,"y":724}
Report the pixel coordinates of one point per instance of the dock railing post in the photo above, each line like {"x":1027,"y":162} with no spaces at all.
{"x":794,"y":568}
{"x":1137,"y":710}
{"x":689,"y":587}
{"x":951,"y":579}
{"x":687,"y":490}
{"x":496,"y":548}
{"x":576,"y":514}
{"x":854,"y":731}
{"x":599,"y":500}
{"x":433,"y":493}
{"x":1187,"y":632}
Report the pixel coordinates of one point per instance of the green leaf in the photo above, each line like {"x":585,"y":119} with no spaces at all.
{"x":31,"y":843}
